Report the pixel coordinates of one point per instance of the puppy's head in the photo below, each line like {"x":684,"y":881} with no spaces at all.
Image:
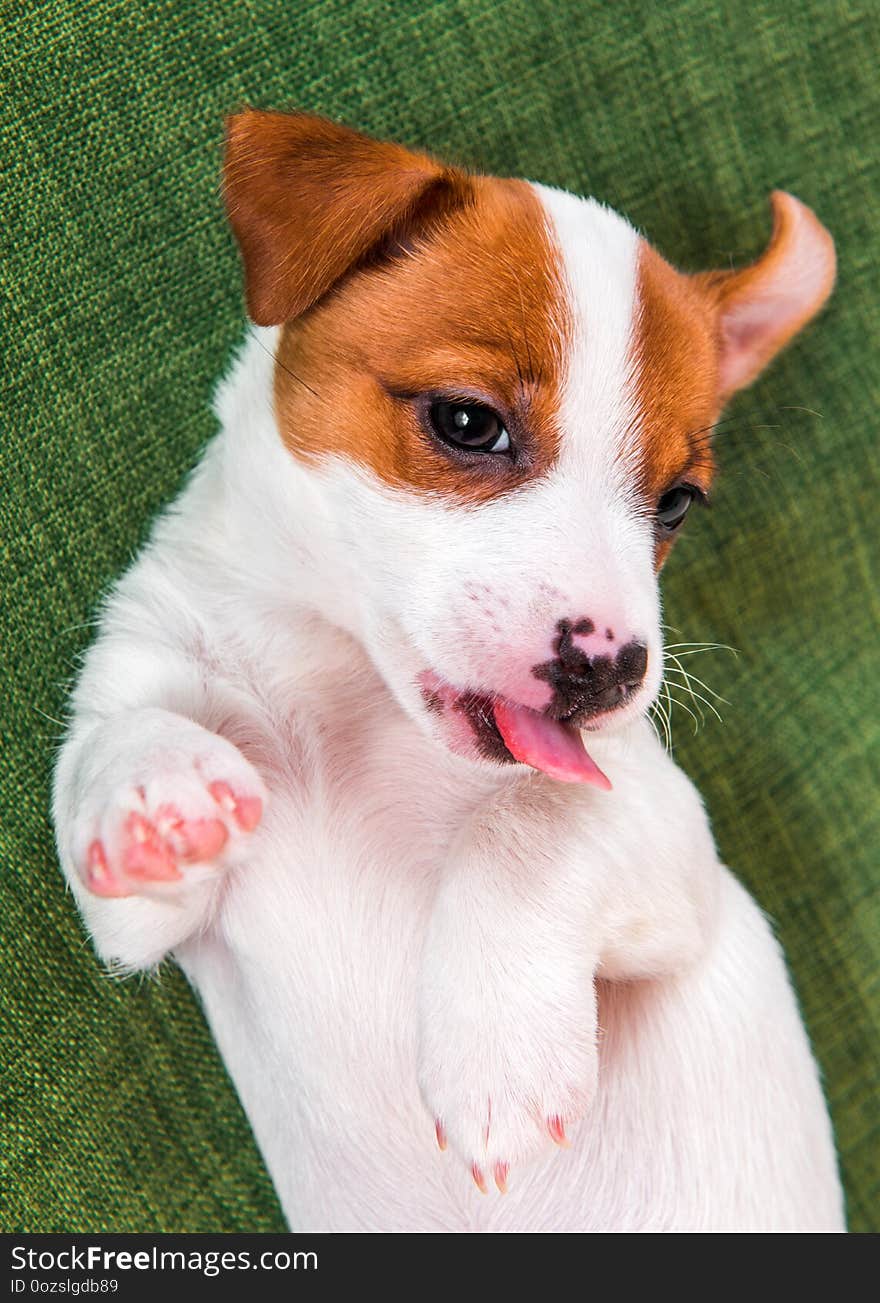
{"x":504,"y":398}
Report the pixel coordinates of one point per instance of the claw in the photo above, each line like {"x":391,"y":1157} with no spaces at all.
{"x":147,"y":855}
{"x":502,"y":1171}
{"x":140,"y":829}
{"x":97,"y":860}
{"x":99,"y":879}
{"x":440,"y":1133}
{"x":168,"y":821}
{"x":246,"y":810}
{"x":556,"y":1127}
{"x":479,"y":1178}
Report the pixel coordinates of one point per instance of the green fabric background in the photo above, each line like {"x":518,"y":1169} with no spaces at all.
{"x":121,"y":302}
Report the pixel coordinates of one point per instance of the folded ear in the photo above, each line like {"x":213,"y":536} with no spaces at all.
{"x":762,"y":306}
{"x":307,"y":199}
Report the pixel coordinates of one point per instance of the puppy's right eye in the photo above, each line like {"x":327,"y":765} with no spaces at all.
{"x":470,"y":426}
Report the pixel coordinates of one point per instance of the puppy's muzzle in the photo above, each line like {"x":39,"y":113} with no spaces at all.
{"x":583,"y":685}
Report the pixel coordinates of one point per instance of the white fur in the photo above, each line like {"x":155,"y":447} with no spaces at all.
{"x":410,"y":932}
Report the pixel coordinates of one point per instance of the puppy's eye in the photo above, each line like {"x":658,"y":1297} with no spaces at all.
{"x":674,"y":506}
{"x":469,"y":425}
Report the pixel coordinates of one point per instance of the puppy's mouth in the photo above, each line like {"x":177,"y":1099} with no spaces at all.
{"x":506,"y":732}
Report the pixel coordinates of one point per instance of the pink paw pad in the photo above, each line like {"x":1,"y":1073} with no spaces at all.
{"x":246,"y":810}
{"x":191,"y":839}
{"x":152,"y":844}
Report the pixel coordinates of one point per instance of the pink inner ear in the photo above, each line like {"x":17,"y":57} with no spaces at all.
{"x":764,"y":305}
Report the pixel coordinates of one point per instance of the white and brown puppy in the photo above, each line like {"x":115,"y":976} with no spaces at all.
{"x":363,"y":739}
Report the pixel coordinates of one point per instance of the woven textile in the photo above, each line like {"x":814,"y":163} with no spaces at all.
{"x":121,"y":302}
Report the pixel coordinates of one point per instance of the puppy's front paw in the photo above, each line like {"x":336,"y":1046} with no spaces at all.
{"x":507,"y":1059}
{"x":182,"y":804}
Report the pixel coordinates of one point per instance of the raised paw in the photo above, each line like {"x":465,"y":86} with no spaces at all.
{"x":183,"y":812}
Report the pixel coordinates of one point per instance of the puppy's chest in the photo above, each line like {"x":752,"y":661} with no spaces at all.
{"x":326,"y":923}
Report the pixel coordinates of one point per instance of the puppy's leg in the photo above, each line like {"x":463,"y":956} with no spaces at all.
{"x":542,"y":893}
{"x":150,"y":807}
{"x":507,"y":1007}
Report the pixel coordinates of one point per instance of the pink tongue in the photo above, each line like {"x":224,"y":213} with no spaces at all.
{"x":545,"y":744}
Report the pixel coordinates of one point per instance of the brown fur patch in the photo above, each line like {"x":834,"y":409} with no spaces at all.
{"x":472,"y":307}
{"x":308,"y":199}
{"x":676,"y":365}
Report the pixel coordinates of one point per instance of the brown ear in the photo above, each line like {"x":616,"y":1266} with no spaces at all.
{"x":307,"y":199}
{"x":762,"y":306}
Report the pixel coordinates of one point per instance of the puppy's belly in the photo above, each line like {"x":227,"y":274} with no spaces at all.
{"x":709,"y":1115}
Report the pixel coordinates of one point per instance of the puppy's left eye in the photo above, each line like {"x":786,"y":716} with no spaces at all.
{"x":469,"y":425}
{"x":674,"y":506}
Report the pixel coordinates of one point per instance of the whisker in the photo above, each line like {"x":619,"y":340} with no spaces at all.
{"x":689,"y":678}
{"x":664,"y":704}
{"x":659,"y":711}
{"x":698,"y":651}
{"x":684,"y":706}
{"x":808,"y":410}
{"x":698,"y":696}
{"x":51,"y":718}
{"x":669,"y":708}
{"x":277,"y":360}
{"x":701,"y":646}
{"x":672,"y":670}
{"x":664,"y":725}
{"x":75,"y":628}
{"x":715,"y":425}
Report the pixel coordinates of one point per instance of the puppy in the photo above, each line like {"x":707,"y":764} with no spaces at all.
{"x":363,"y":742}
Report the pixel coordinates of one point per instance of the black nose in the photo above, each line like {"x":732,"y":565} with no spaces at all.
{"x":588,"y":685}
